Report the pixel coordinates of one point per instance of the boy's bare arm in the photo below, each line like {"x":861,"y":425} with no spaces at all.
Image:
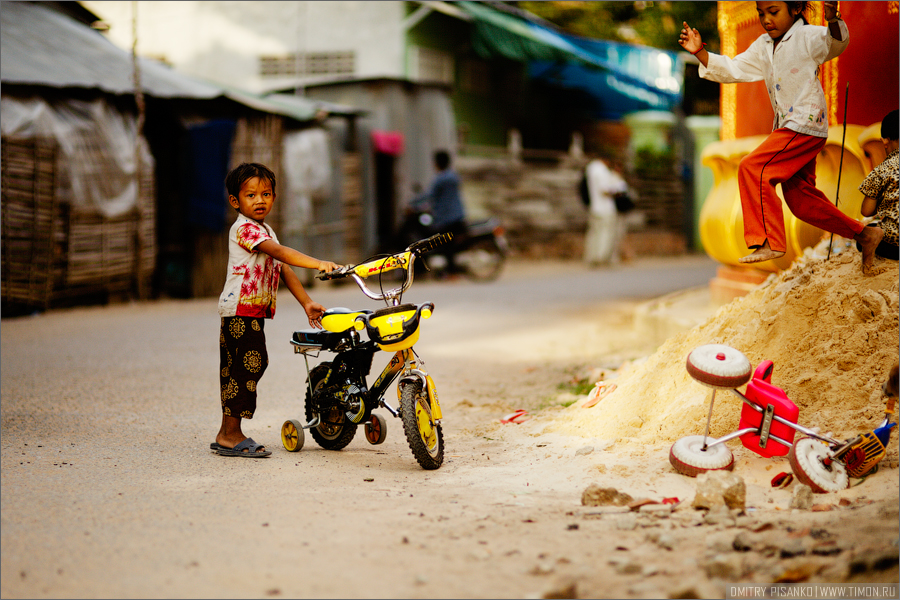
{"x":869,"y":206}
{"x":314,"y":310}
{"x":830,"y":12}
{"x":294,"y":257}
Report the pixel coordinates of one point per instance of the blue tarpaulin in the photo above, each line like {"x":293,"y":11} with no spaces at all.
{"x":641,"y":78}
{"x":616,"y":78}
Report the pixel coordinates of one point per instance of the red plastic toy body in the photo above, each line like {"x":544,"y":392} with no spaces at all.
{"x":761,"y":392}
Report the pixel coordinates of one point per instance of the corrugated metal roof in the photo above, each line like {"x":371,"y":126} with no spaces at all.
{"x":40,"y":46}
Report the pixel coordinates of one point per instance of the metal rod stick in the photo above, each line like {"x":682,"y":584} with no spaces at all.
{"x":837,"y":193}
{"x":709,"y":417}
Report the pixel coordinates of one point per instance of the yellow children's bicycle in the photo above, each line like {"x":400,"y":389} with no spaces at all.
{"x":338,"y":399}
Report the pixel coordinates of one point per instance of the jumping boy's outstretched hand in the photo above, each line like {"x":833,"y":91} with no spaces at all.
{"x":690,"y":39}
{"x":829,"y":10}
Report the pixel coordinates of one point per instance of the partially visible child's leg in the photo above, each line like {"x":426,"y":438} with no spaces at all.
{"x":243,"y":360}
{"x":810,"y":205}
{"x":775,"y":161}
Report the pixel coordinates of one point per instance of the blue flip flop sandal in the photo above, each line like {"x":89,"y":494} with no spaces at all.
{"x":251,"y":447}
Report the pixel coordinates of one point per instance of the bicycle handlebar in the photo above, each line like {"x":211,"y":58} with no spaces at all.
{"x":385,"y":264}
{"x":395,"y":261}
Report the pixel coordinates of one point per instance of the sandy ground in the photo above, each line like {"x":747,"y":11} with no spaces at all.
{"x":109,"y":489}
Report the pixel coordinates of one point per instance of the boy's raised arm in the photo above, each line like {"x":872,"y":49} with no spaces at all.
{"x":294,"y":257}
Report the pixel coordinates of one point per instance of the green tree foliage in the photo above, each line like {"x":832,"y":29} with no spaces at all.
{"x":655,"y":24}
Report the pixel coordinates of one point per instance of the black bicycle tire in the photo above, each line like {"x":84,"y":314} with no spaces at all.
{"x":412,"y":393}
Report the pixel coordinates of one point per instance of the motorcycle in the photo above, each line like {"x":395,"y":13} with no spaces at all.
{"x":480,"y":250}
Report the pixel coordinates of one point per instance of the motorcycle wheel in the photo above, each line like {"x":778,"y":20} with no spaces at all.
{"x":335,"y":431}
{"x":425,"y":438}
{"x":483,"y":260}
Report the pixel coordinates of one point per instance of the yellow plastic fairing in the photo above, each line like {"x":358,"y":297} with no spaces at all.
{"x":390,"y":327}
{"x":433,"y":397}
{"x":337,"y":320}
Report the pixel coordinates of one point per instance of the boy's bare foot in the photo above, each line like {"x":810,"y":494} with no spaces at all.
{"x":868,"y":239}
{"x":761,"y":254}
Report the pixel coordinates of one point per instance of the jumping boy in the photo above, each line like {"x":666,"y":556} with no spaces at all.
{"x":787,"y":57}
{"x":254,"y":269}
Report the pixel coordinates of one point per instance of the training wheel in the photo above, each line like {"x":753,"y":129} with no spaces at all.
{"x":807,"y":458}
{"x":292,"y":436}
{"x":376,"y":430}
{"x":688,"y":457}
{"x":719,"y":366}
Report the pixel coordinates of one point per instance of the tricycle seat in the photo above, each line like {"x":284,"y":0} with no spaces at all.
{"x":762,"y":394}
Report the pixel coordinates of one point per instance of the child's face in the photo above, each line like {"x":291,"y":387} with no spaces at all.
{"x":775,"y":17}
{"x":255,"y":199}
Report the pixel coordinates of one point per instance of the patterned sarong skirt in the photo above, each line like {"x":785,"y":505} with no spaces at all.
{"x":243,"y":360}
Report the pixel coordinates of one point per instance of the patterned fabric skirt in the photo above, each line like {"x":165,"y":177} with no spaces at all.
{"x":242,"y":361}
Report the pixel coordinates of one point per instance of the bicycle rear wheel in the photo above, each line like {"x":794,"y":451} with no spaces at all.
{"x":334,"y":431}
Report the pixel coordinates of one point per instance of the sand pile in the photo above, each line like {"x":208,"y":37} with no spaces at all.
{"x":831,"y":332}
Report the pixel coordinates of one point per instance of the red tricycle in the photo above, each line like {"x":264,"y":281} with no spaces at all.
{"x":768,"y":424}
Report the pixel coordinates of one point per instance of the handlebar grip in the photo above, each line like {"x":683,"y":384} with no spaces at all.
{"x":429,"y":244}
{"x":336,"y":274}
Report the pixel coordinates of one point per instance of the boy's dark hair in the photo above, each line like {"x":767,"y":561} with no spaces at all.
{"x":244,"y":171}
{"x":804,"y":7}
{"x":890,"y":127}
{"x":442,"y":159}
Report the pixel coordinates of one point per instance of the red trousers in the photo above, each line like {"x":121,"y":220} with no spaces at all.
{"x":788,"y":158}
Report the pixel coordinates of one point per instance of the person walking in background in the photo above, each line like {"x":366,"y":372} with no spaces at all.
{"x":601,"y":243}
{"x":255,"y":267}
{"x":881,"y":190}
{"x":787,"y":57}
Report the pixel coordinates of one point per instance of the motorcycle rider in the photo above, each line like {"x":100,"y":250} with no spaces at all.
{"x":444,"y":201}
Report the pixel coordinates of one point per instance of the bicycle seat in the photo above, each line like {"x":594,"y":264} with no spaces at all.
{"x":341,"y":319}
{"x":312,"y":340}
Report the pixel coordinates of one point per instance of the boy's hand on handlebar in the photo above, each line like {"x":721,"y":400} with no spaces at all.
{"x":326,"y":266}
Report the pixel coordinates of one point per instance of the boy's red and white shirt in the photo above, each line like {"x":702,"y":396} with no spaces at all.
{"x":251,"y":284}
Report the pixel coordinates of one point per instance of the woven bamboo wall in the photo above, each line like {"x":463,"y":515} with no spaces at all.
{"x":54,"y":252}
{"x":31,"y":221}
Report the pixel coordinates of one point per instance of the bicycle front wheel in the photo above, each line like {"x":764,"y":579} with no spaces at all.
{"x":426,"y":440}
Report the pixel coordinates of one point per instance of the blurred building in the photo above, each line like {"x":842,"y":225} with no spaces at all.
{"x":113,"y":188}
{"x":476,"y":78}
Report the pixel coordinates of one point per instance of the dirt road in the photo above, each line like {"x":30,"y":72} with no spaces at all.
{"x":109,"y":488}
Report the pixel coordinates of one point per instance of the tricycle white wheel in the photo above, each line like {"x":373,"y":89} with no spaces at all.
{"x":689,"y":458}
{"x":719,"y":366}
{"x":807,"y":458}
